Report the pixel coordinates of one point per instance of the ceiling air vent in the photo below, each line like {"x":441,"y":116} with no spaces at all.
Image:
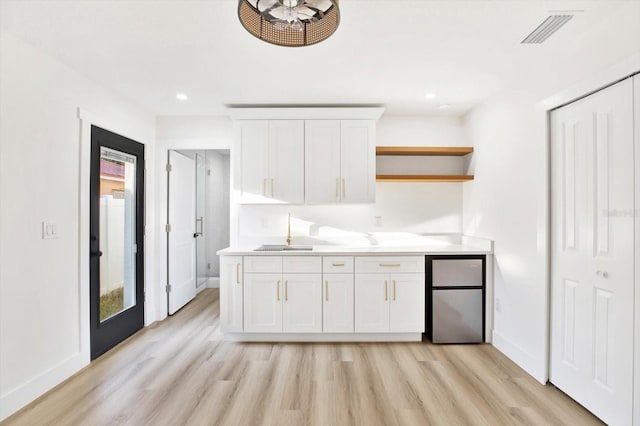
{"x":548,"y":27}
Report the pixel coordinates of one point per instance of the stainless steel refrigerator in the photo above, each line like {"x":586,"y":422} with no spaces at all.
{"x":456,"y":298}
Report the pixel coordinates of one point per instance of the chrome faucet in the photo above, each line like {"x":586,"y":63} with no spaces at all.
{"x":289,"y":230}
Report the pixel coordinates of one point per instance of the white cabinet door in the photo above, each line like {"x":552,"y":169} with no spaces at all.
{"x":263,"y":303}
{"x":322,"y":161}
{"x":337,"y":303}
{"x":302,"y":303}
{"x":371,"y":303}
{"x":251,"y":176}
{"x":286,"y":161}
{"x":592,"y":252}
{"x":231,"y":294}
{"x":406,"y":307}
{"x":358,"y":165}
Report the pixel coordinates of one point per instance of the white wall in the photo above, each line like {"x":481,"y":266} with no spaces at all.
{"x":507,"y":202}
{"x":43,"y":337}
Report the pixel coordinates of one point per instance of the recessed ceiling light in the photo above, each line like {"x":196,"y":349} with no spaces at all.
{"x":181,"y":97}
{"x":444,"y":106}
{"x":430,"y":96}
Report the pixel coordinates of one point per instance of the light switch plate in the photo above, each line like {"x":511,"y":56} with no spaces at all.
{"x":49,"y":230}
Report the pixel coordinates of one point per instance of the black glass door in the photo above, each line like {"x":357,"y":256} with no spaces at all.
{"x":116,"y":240}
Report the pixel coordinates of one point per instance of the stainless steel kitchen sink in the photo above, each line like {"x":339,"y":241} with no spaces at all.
{"x":283,"y":247}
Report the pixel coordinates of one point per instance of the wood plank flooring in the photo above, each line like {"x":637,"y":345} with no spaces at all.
{"x":180,"y":372}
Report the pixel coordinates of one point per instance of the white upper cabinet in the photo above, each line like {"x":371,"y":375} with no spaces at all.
{"x":358,"y":161}
{"x":269,"y":165}
{"x":339,"y":161}
{"x":322,"y":161}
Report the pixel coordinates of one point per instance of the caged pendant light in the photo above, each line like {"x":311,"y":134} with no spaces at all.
{"x":291,"y":23}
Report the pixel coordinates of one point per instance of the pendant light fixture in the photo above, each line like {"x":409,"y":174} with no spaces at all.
{"x":291,"y":23}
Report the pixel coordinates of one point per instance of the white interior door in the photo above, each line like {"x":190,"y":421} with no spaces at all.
{"x":592,"y":252}
{"x":181,"y":240}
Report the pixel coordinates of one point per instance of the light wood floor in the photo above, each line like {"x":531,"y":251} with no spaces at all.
{"x":180,"y":372}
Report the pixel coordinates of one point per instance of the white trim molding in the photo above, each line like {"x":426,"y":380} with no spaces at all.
{"x":306,"y":113}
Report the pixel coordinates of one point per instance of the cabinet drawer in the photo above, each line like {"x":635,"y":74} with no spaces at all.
{"x":263,"y":264}
{"x":389,"y":264}
{"x":302,"y":264}
{"x":337,"y":264}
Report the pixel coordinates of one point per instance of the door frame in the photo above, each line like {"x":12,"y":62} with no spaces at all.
{"x":86,"y":120}
{"x":134,"y":318}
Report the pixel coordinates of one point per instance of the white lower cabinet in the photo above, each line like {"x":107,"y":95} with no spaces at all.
{"x":302,"y":303}
{"x":263,"y":303}
{"x":337,"y":303}
{"x":231,"y":294}
{"x":291,"y":294}
{"x":389,"y":303}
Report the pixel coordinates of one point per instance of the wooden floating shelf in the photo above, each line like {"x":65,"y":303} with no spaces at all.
{"x":424,"y":178}
{"x":455,"y":151}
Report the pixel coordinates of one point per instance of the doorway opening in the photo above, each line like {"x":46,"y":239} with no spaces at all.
{"x":198,"y":212}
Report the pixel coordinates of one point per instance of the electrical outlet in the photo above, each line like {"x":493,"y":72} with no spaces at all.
{"x":498,"y":305}
{"x":378,"y":221}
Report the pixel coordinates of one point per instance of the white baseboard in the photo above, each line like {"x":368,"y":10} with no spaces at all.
{"x":213,"y":282}
{"x":524,"y":359}
{"x":17,"y":398}
{"x":323,"y":337}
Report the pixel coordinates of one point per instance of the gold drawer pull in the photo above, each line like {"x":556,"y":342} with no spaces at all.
{"x":237,"y":273}
{"x":286,"y":291}
{"x":337,"y":264}
{"x":278,"y":290}
{"x":326,"y":291}
{"x":386,"y":290}
{"x":390,"y":265}
{"x":394,"y":289}
{"x":264,"y":187}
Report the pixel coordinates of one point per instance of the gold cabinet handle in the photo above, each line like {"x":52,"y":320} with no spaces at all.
{"x":337,"y":264}
{"x":237,"y":273}
{"x":337,"y":188}
{"x":278,"y":290}
{"x":272,"y":193}
{"x":326,"y":291}
{"x":344,"y":188}
{"x":389,"y":265}
{"x":386,"y":290}
{"x":286,"y":291}
{"x":394,"y":289}
{"x":264,"y":187}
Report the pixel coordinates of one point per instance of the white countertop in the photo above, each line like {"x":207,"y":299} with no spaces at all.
{"x":331,"y":250}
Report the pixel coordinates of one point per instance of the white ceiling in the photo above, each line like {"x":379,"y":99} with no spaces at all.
{"x":387,"y":52}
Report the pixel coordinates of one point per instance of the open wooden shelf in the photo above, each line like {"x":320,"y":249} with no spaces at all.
{"x":424,"y":178}
{"x":443,"y":151}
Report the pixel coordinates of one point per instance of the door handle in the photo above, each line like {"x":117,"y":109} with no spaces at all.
{"x":326,"y":291}
{"x":264,"y":187}
{"x":394,"y":289}
{"x":344,"y":188}
{"x":237,"y":273}
{"x":286,"y":291}
{"x":278,"y":290}
{"x":603,"y":274}
{"x":389,"y":265}
{"x":386,"y":290}
{"x":96,"y":253}
{"x":201,"y":232}
{"x":272,"y":191}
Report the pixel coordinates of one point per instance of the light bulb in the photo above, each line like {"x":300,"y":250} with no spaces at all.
{"x":289,"y":14}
